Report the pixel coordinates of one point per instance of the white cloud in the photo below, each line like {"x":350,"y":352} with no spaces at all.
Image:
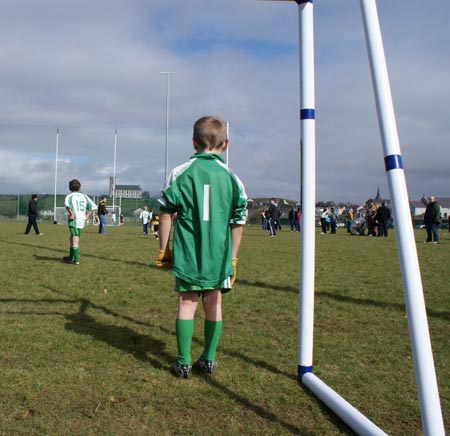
{"x":88,"y":68}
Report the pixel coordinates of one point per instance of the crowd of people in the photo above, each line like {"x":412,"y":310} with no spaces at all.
{"x":373,"y":220}
{"x":270,"y":218}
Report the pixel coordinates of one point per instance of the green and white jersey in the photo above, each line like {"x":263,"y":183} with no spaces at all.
{"x":208,"y":197}
{"x":79,"y":204}
{"x":145,"y":216}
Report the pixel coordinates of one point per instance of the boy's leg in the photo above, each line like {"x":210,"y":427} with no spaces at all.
{"x":187,"y":305}
{"x":74,"y":248}
{"x":212,"y":305}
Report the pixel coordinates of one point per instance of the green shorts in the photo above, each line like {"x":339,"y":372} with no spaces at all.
{"x":183,"y":286}
{"x":75,"y":231}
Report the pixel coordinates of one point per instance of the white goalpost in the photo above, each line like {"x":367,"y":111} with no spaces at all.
{"x":430,"y":408}
{"x":112,"y":219}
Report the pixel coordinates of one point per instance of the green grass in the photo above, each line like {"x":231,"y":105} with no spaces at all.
{"x":86,"y":349}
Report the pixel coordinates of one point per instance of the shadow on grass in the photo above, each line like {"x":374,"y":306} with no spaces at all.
{"x":123,"y":338}
{"x":347,"y":299}
{"x":84,"y":254}
{"x":151,"y":351}
{"x":263,"y":413}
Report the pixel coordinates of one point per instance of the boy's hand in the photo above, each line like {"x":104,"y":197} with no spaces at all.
{"x":164,"y":259}
{"x":233,"y":276}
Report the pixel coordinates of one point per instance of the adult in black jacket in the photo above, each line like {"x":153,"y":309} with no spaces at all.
{"x":102,"y":212}
{"x":431,"y":219}
{"x":383,"y":218}
{"x":273,"y":215}
{"x":32,"y":215}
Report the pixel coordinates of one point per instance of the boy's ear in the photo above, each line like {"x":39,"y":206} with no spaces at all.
{"x":194,"y":145}
{"x":224,"y":145}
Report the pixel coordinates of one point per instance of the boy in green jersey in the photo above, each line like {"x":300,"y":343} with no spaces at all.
{"x":80,"y":208}
{"x":211,"y":207}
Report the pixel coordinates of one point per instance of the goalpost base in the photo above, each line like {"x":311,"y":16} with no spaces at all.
{"x":351,"y":416}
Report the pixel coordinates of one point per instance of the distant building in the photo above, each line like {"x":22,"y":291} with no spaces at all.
{"x":125,"y":191}
{"x":378,"y":200}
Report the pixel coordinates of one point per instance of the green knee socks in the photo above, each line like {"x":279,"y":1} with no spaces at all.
{"x":184,"y":332}
{"x":213,"y":330}
{"x":74,"y":254}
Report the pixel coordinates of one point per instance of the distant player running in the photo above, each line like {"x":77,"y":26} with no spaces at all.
{"x":80,"y":207}
{"x":211,"y":207}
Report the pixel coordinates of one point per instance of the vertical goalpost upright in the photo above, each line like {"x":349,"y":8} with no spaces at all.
{"x":430,"y":408}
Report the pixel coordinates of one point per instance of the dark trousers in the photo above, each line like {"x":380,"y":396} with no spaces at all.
{"x":432,"y":232}
{"x":273,"y":227}
{"x":333,"y":228}
{"x":383,"y":228}
{"x":32,"y":222}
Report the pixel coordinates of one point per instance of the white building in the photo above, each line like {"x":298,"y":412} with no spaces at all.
{"x":125,"y":191}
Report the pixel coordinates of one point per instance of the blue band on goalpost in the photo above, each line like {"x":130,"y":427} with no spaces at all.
{"x":307,"y":114}
{"x":393,"y":162}
{"x":302,"y":370}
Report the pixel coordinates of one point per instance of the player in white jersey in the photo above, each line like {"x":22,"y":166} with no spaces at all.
{"x":80,"y":207}
{"x":145,"y":218}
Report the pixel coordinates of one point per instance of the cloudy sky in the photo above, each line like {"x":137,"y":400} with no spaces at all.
{"x":90,"y":67}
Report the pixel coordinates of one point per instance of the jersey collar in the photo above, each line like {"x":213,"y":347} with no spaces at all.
{"x":202,"y":155}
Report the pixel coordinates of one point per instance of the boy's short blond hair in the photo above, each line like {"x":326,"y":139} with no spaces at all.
{"x":210,"y":132}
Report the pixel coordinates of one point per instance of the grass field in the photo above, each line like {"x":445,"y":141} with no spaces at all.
{"x":86,"y":349}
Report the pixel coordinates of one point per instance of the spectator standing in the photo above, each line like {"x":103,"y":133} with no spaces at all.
{"x":32,"y":216}
{"x":298,"y":216}
{"x":372,"y":219}
{"x":432,"y":219}
{"x":292,"y":215}
{"x":333,"y":221}
{"x":383,"y":218}
{"x":349,"y":218}
{"x":263,"y":220}
{"x":145,"y":217}
{"x":273,"y":215}
{"x":323,"y":220}
{"x":102,"y":212}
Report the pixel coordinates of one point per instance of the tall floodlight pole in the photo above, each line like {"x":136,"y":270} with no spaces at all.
{"x":166,"y":160}
{"x":431,"y":414}
{"x":56,"y":175}
{"x":114,"y":172}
